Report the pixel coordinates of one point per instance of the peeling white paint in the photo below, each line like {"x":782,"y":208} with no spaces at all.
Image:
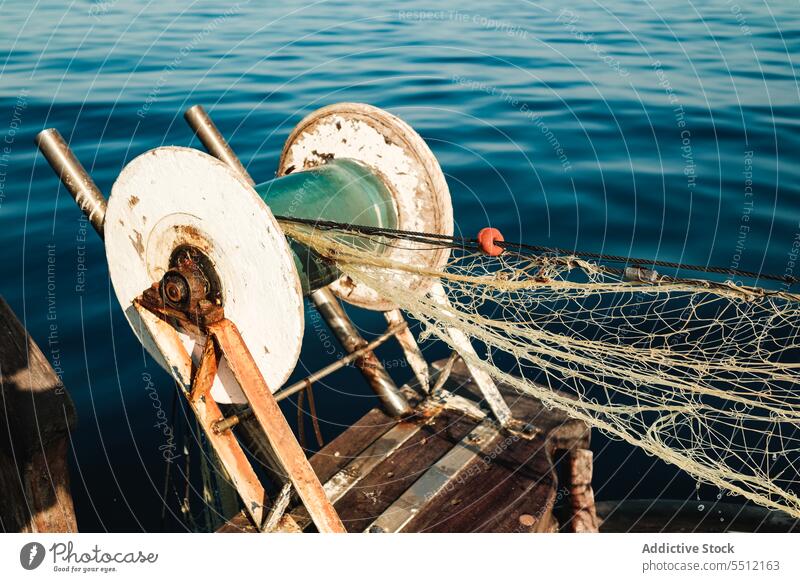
{"x":188,"y":197}
{"x":400,"y":156}
{"x":357,"y":140}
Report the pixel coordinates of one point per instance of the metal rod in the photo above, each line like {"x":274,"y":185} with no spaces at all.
{"x":339,"y":364}
{"x":233,"y":420}
{"x":461,"y":343}
{"x":411,"y":349}
{"x":376,"y":375}
{"x":212,"y":140}
{"x":444,"y":373}
{"x":73,"y":175}
{"x":379,"y":380}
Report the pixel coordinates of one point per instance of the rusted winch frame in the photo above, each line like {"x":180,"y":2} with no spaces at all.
{"x":188,"y":297}
{"x":191,"y":299}
{"x":392,"y":399}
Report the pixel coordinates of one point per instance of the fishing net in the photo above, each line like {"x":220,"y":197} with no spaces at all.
{"x":699,"y":373}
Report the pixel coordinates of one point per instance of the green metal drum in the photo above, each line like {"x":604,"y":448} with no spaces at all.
{"x":341,"y":190}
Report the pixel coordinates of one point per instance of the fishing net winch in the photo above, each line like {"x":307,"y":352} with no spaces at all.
{"x":214,"y":290}
{"x":699,"y":371}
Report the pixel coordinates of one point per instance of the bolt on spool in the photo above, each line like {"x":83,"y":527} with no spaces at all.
{"x":190,"y":280}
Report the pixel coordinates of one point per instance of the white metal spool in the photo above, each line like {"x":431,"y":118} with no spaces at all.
{"x":172,"y":196}
{"x":393,"y":150}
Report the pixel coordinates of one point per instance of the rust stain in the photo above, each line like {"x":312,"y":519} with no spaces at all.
{"x":324,"y":156}
{"x":188,"y":230}
{"x":192,"y":236}
{"x":347,"y":284}
{"x":136,"y":240}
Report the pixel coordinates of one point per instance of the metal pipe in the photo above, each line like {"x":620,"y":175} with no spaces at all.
{"x":339,"y":364}
{"x":411,"y":349}
{"x":73,"y":175}
{"x":382,"y":384}
{"x":444,"y":373}
{"x":484,"y":382}
{"x":244,"y":414}
{"x":212,"y":140}
{"x":379,"y":380}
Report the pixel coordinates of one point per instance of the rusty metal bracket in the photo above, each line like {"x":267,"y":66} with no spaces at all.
{"x":223,"y":340}
{"x":410,"y":348}
{"x":277,"y":430}
{"x":198,"y":383}
{"x":195,"y":321}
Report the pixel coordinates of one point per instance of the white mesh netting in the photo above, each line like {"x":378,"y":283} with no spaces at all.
{"x":697,"y":373}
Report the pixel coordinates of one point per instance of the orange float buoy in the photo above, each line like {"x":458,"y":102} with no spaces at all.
{"x":487,"y":237}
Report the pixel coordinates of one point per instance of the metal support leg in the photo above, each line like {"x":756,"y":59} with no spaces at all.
{"x":484,"y":382}
{"x":195,"y":388}
{"x":327,"y":304}
{"x":329,"y":307}
{"x":277,"y":430}
{"x":411,"y":349}
{"x":224,"y":340}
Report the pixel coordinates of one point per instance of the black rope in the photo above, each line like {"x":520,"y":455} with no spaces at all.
{"x":444,"y":240}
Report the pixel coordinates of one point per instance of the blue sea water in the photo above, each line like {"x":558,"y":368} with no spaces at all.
{"x":667,"y":130}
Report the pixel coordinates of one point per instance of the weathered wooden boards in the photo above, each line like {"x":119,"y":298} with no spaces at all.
{"x":36,"y":415}
{"x":581,"y":496}
{"x":442,"y":470}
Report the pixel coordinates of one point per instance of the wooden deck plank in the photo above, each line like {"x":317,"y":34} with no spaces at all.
{"x":389,"y":443}
{"x":443,"y":475}
{"x":510,"y":488}
{"x":330,"y":459}
{"x":513,"y":487}
{"x":347,"y":446}
{"x":387,"y":481}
